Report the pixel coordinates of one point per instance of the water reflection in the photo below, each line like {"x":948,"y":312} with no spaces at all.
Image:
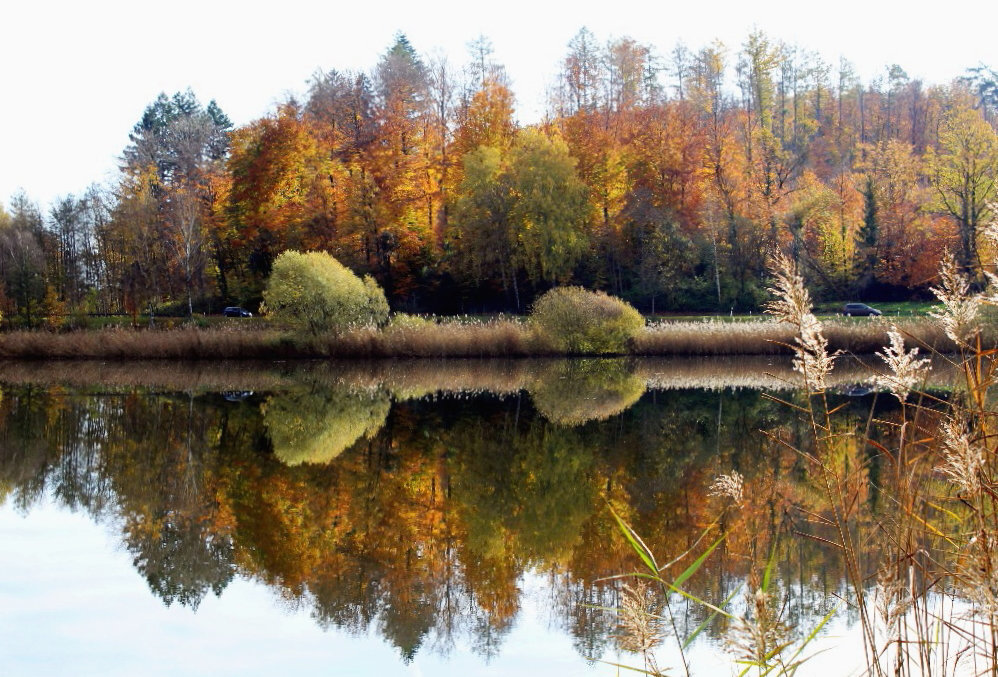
{"x":413,"y":502}
{"x":316,"y":425}
{"x":574,"y":392}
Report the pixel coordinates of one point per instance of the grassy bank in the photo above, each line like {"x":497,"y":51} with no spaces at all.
{"x":501,"y":337}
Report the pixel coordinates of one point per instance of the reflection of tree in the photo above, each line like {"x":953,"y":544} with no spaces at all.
{"x":525,"y":492}
{"x":161,"y":456}
{"x":425,"y":530}
{"x":182,"y":560}
{"x":407,"y":625}
{"x":132,"y":459}
{"x":28,"y":458}
{"x":318,"y":425}
{"x":573,"y":392}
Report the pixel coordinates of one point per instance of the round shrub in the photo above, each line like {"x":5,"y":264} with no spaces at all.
{"x":578,"y":321}
{"x":315,"y":291}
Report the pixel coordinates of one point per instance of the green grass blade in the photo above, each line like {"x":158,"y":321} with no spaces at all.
{"x":813,"y":634}
{"x":692,"y":569}
{"x":631,"y":668}
{"x":636,"y":543}
{"x":767,"y":574}
{"x":710,"y":619}
{"x":701,"y":602}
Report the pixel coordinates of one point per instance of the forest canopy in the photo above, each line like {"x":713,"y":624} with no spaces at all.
{"x":664,"y":180}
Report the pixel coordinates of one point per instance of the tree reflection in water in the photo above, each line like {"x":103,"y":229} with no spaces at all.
{"x":419,"y":517}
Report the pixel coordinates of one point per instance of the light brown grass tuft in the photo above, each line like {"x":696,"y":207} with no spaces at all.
{"x":499,"y":338}
{"x":769,"y":337}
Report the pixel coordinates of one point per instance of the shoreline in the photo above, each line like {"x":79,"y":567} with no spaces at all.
{"x":450,"y":339}
{"x":407,"y":378}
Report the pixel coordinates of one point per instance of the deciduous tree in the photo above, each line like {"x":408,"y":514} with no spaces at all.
{"x":964,"y":173}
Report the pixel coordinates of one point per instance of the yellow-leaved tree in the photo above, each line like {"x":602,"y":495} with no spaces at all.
{"x":964,"y":173}
{"x":316,"y":292}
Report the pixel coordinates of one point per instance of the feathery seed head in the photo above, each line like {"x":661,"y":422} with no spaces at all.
{"x":964,"y":456}
{"x":792,"y":304}
{"x":731,"y":486}
{"x":959,"y":311}
{"x":906,"y":368}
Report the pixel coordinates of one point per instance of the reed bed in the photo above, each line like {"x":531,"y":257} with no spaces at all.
{"x":490,"y":339}
{"x":771,"y":337}
{"x":499,"y":338}
{"x":142,"y":344}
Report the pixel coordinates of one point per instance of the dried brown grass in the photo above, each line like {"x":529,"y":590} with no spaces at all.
{"x":770,"y":337}
{"x":496,"y":338}
{"x":500,"y":338}
{"x":133,"y":344}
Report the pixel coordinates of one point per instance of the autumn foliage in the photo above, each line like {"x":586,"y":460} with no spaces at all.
{"x":666,"y":187}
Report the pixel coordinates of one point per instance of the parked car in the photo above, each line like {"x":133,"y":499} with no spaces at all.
{"x":236,"y":395}
{"x":860,"y":310}
{"x":236,"y":311}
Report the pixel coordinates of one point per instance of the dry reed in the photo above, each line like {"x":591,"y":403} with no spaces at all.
{"x":500,"y":338}
{"x":771,"y":337}
{"x":132,"y":344}
{"x":495,"y":338}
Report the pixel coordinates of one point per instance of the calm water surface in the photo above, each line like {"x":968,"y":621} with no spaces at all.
{"x":386,"y":518}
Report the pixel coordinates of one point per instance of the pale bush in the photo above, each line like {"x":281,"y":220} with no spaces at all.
{"x":407,"y":322}
{"x":578,"y":321}
{"x":315,"y":291}
{"x":377,"y":304}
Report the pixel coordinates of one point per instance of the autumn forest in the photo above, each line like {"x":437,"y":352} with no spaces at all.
{"x":664,"y":179}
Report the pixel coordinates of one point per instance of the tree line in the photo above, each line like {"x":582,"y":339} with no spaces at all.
{"x":663,"y":179}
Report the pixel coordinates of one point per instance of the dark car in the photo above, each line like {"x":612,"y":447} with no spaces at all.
{"x":860,"y":310}
{"x":236,"y":311}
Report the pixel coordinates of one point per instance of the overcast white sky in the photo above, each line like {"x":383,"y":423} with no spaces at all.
{"x":75,"y":76}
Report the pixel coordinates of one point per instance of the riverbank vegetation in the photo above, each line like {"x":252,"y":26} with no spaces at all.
{"x":316,"y":307}
{"x":649,"y":178}
{"x":413,"y":337}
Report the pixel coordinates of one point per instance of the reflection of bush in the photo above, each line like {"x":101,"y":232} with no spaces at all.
{"x":574,"y":392}
{"x":315,"y":427}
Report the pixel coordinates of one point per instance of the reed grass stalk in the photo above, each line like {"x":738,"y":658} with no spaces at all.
{"x":922,"y":573}
{"x":502,"y":337}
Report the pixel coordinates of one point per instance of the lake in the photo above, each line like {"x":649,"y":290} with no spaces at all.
{"x":421,"y":517}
